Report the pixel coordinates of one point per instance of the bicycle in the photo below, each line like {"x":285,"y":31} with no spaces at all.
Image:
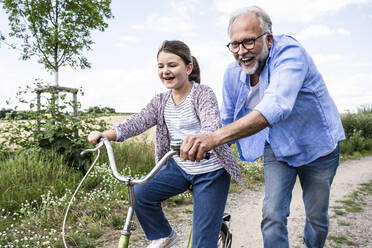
{"x":225,"y":237}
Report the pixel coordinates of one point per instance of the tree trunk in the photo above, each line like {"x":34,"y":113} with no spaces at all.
{"x":56,"y":78}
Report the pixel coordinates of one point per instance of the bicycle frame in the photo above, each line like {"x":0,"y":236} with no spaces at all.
{"x":129,"y":225}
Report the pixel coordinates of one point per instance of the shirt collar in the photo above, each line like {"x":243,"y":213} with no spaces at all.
{"x":244,"y":77}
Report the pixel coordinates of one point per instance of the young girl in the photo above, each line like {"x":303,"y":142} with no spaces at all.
{"x":187,"y":108}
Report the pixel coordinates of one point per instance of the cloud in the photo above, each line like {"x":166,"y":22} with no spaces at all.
{"x":172,"y":23}
{"x":126,"y":40}
{"x":315,"y":31}
{"x":290,"y":10}
{"x":352,"y":91}
{"x":177,"y":20}
{"x":328,"y":58}
{"x":213,"y":58}
{"x":12,"y":81}
{"x":123,"y":89}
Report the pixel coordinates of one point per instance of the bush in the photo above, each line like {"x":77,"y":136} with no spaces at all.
{"x":358,"y":131}
{"x":360,"y":121}
{"x":51,"y":130}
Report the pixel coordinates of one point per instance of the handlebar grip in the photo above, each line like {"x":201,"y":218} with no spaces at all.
{"x":207,"y":155}
{"x":176,"y":145}
{"x":99,"y":145}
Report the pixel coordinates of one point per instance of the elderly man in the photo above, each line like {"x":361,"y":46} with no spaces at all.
{"x":276,"y":104}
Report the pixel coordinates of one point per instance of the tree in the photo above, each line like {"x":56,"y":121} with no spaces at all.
{"x":56,"y":31}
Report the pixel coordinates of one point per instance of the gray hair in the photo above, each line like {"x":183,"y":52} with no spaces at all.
{"x":264,"y":18}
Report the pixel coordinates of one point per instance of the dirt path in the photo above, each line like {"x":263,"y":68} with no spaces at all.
{"x":247,"y":213}
{"x":245,"y":209}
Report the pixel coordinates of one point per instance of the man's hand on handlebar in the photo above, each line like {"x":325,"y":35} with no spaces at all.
{"x":194,"y":147}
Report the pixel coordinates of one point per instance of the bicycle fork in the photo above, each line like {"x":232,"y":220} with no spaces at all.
{"x":129,"y":225}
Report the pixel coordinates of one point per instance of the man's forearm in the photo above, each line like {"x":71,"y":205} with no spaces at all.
{"x":246,"y":126}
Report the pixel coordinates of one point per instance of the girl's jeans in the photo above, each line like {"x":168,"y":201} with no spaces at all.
{"x":316,"y":179}
{"x":209,"y":197}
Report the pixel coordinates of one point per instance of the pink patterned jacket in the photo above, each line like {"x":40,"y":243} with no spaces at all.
{"x":205,"y":109}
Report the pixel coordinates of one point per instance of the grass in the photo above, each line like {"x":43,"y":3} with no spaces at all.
{"x":341,"y":240}
{"x":353,"y":203}
{"x":35,"y":193}
{"x":25,"y":177}
{"x":252,"y":173}
{"x":343,"y":223}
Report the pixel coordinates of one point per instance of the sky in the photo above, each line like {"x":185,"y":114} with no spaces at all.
{"x":336,"y":33}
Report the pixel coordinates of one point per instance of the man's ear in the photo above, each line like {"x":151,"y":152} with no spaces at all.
{"x":269,"y":40}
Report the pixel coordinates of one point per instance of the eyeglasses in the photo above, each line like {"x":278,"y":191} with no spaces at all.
{"x":248,"y":44}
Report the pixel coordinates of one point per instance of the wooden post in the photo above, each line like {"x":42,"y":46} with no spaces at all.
{"x":75,"y":104}
{"x":38,"y":107}
{"x":75,"y":111}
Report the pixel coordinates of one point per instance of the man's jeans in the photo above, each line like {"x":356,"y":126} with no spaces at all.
{"x":209,"y":196}
{"x":316,"y":179}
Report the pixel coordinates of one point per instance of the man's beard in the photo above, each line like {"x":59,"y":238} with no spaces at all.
{"x":260,"y":61}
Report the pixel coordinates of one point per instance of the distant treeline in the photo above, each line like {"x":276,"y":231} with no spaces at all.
{"x":14,"y":114}
{"x":25,"y":115}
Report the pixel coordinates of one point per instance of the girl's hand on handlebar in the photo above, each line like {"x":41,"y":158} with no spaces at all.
{"x":94,"y":137}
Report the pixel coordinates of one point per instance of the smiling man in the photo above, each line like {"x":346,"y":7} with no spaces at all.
{"x":276,"y":104}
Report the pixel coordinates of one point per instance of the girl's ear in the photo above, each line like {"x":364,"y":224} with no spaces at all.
{"x":189,"y":68}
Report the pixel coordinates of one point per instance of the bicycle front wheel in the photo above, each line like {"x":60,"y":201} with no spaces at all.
{"x":225,"y":238}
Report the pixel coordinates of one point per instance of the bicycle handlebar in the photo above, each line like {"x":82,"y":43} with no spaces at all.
{"x":128,"y":180}
{"x":175,"y":146}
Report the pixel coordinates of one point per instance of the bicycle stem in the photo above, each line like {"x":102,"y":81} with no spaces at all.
{"x":128,"y":221}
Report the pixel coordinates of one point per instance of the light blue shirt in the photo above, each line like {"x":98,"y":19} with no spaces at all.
{"x":304,"y":121}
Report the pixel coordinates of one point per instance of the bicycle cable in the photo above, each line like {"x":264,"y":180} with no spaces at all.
{"x":72,"y":199}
